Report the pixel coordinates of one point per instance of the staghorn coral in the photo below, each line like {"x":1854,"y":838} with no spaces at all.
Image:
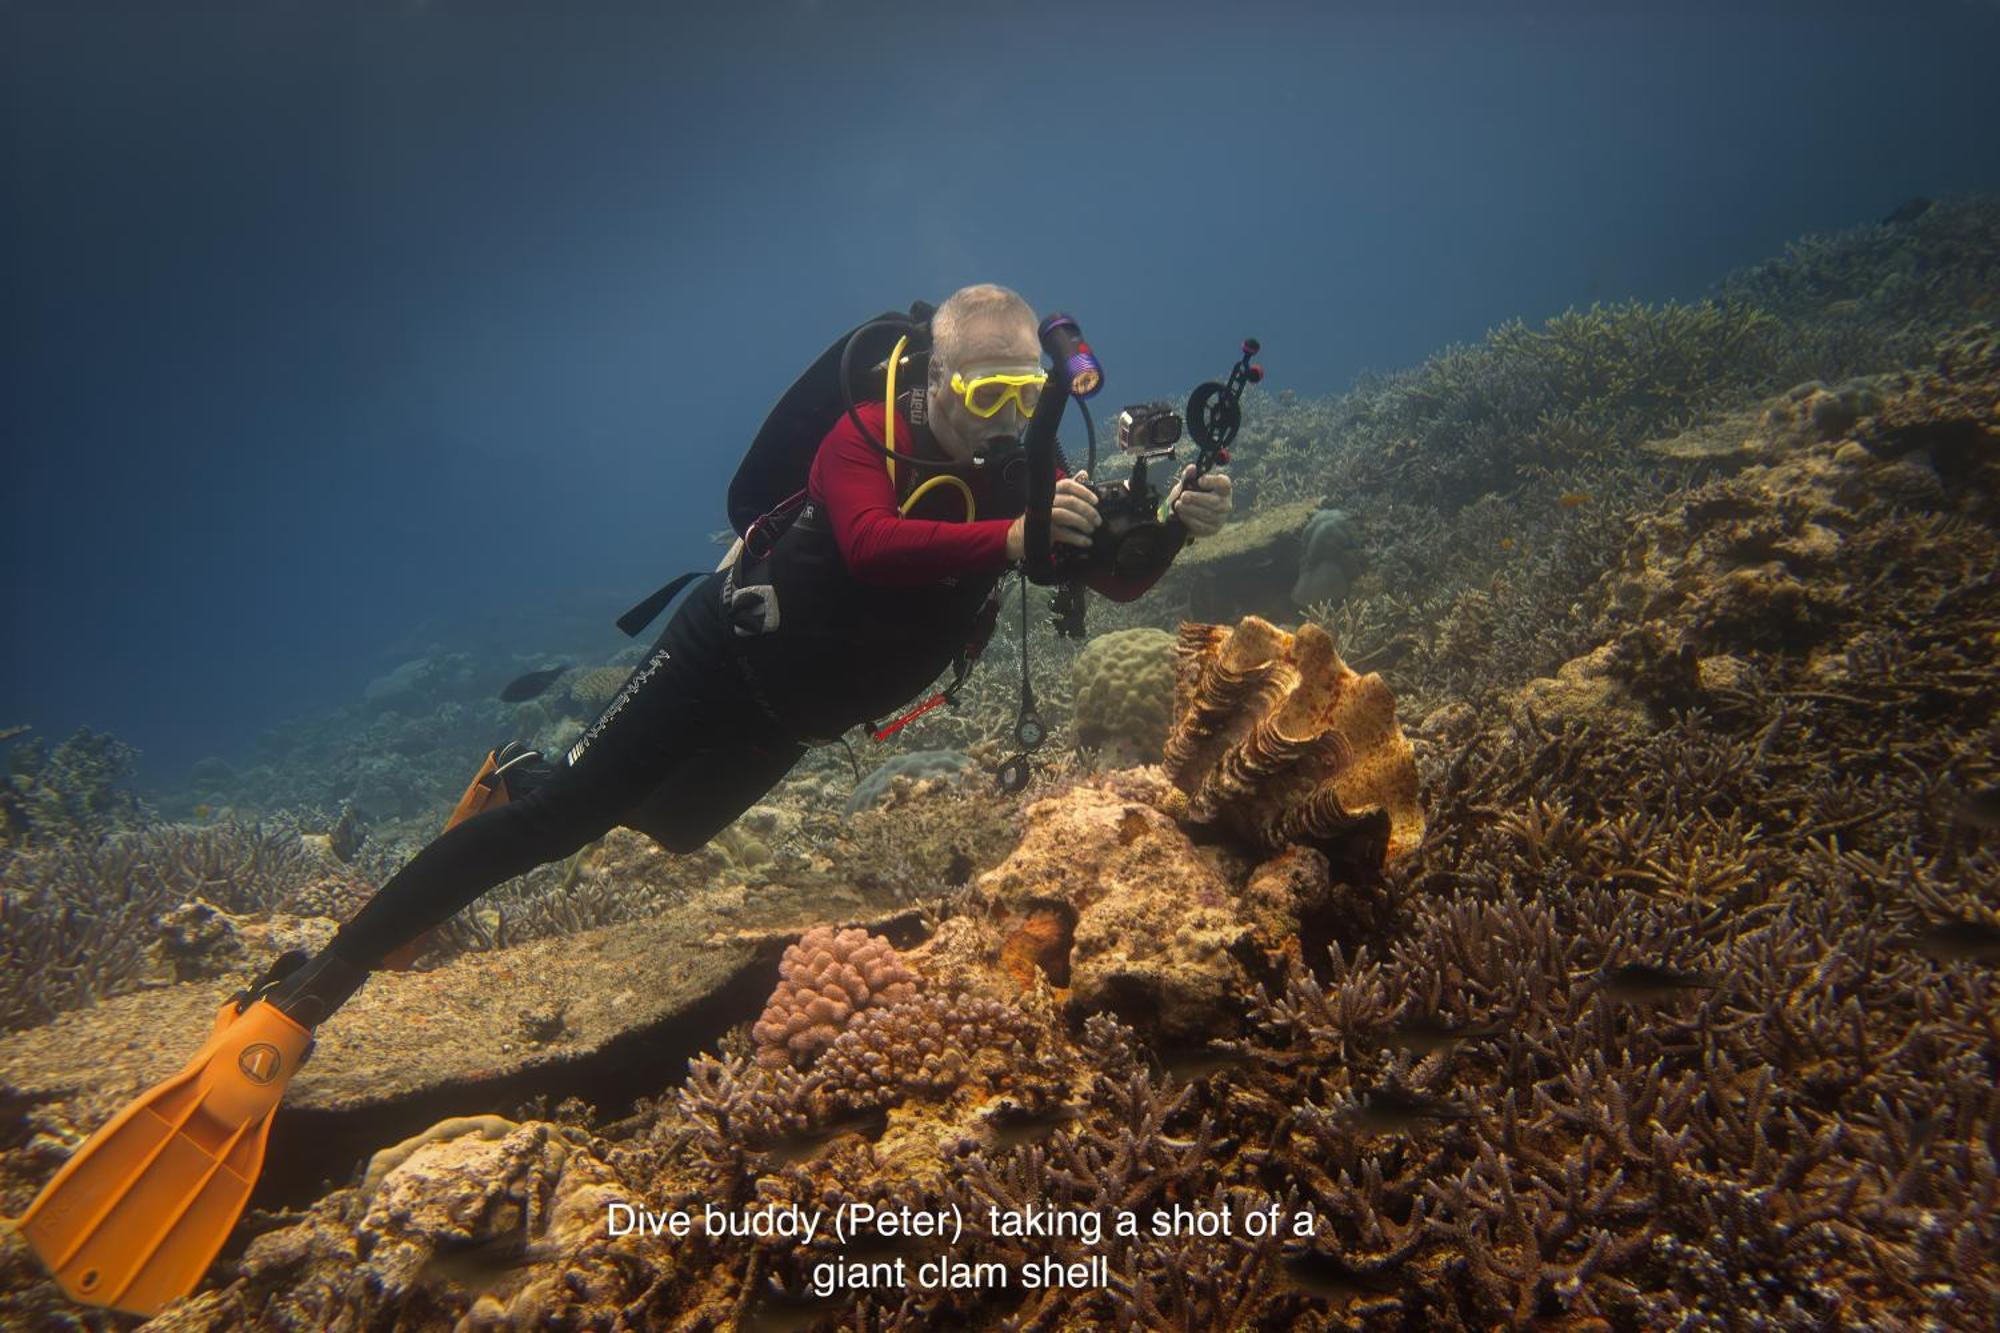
{"x":78,"y":919}
{"x":1123,"y":686}
{"x":922,"y":1047}
{"x":1576,"y":391}
{"x":923,"y":842}
{"x":1279,"y":741}
{"x":828,"y":977}
{"x":69,"y":793}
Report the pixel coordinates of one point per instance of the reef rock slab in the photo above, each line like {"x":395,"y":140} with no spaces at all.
{"x":1250,"y":567}
{"x":604,"y":1014}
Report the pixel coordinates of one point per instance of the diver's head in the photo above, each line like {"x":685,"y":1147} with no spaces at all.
{"x":986,"y":368}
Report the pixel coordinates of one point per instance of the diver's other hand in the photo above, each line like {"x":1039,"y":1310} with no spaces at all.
{"x":1072,"y":518}
{"x":1204,"y":507}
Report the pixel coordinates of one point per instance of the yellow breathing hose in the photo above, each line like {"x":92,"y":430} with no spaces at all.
{"x":889,"y":442}
{"x":889,"y":406}
{"x":963,"y":489}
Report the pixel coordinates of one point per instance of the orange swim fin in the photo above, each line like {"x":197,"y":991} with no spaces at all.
{"x":136,"y":1216}
{"x":487,"y":790}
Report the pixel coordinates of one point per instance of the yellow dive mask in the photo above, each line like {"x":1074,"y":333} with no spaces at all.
{"x":985,"y":395}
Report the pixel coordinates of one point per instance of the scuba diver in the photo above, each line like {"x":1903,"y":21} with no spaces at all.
{"x":875,"y":535}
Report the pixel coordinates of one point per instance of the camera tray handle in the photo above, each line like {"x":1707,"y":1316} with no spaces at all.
{"x":1215,"y":410}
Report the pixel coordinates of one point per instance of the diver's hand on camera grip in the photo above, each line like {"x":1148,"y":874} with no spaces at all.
{"x":1073,"y":516}
{"x":1204,"y":507}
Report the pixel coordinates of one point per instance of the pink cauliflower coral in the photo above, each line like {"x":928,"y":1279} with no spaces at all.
{"x":826,"y":978}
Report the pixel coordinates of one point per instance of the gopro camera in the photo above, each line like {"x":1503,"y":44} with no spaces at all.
{"x":1148,"y":429}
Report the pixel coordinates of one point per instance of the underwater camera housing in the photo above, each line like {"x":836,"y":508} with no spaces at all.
{"x":1131,"y":541}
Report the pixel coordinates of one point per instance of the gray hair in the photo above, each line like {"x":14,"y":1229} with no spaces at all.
{"x":967,"y":307}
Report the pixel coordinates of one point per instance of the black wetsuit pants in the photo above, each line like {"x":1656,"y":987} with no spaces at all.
{"x":685,"y":738}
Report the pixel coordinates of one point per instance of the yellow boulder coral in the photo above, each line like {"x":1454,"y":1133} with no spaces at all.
{"x":1124,"y":685}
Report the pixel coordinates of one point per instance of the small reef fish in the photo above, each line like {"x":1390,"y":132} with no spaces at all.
{"x":1571,"y":499}
{"x":1643,"y":981}
{"x":1909,"y":212}
{"x":480,"y":1266}
{"x":804,"y":1143}
{"x":1506,"y":543}
{"x":1314,"y":1274}
{"x":523,"y":688}
{"x":1980,"y":807}
{"x":777,"y":1311}
{"x":1956,"y":941}
{"x":1427,"y":1034}
{"x":1018,"y":1129}
{"x":9,"y":733}
{"x":1397,"y":1111}
{"x":1191,"y":1064}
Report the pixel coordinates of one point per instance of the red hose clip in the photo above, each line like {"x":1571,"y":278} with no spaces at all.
{"x":909,"y":717}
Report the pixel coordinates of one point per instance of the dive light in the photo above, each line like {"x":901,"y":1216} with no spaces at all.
{"x":1074,"y":361}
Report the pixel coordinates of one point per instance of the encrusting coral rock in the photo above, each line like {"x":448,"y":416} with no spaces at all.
{"x":827,"y":977}
{"x":1330,"y":559}
{"x":1279,"y":741}
{"x":1107,"y":896}
{"x":1108,"y":900}
{"x":459,"y":1216}
{"x":444,"y":1131}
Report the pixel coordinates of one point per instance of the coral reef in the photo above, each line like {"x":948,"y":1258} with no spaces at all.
{"x":70,"y":793}
{"x":1247,"y":568}
{"x":80,"y":919}
{"x":594,"y":687}
{"x":1486,"y":418}
{"x":1123,"y":687}
{"x":1658,"y":1016}
{"x":828,"y":977}
{"x":921,"y":1049}
{"x":1873,"y":298}
{"x":1107,"y":889}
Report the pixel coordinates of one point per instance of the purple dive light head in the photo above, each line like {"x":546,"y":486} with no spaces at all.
{"x":1074,"y":361}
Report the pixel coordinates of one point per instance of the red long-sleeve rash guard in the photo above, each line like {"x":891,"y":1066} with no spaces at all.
{"x":851,"y":479}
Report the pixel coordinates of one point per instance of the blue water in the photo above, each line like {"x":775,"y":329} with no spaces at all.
{"x":335,"y":337}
